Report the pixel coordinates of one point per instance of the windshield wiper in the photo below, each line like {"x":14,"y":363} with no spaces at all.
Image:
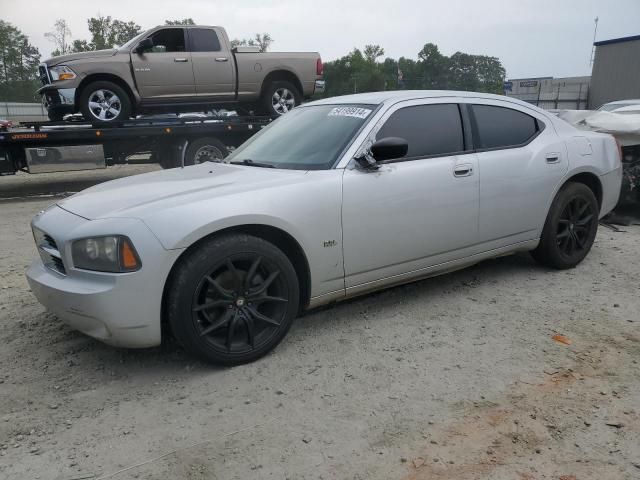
{"x":251,"y":163}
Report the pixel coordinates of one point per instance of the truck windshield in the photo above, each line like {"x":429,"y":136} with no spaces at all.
{"x":307,"y":138}
{"x":131,"y":42}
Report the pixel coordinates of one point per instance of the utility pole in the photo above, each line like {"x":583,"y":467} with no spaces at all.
{"x":593,"y":47}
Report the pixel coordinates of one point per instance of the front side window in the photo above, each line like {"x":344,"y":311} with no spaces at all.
{"x":306,"y":138}
{"x":168,"y":40}
{"x":502,"y":127}
{"x":204,"y":40}
{"x":429,"y":130}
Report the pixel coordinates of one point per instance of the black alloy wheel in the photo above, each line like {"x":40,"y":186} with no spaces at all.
{"x":232,"y":299}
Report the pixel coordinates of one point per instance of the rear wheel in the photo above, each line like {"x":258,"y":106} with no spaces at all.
{"x":206,"y":149}
{"x":279,"y":98}
{"x":570,"y":228}
{"x":104,"y":103}
{"x":232,"y":299}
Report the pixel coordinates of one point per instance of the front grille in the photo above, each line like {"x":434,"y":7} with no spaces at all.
{"x":49,"y":252}
{"x":43,"y":74}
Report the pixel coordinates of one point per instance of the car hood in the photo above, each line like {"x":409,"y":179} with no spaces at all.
{"x":80,"y":56}
{"x":139,"y":195}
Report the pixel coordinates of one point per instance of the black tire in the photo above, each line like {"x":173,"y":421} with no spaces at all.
{"x":570,"y":228}
{"x":249,"y":307}
{"x":267,"y":98}
{"x":205,"y":150}
{"x":55,"y":116}
{"x":121,"y":103}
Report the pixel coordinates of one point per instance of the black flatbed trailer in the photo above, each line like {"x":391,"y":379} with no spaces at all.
{"x":41,"y":147}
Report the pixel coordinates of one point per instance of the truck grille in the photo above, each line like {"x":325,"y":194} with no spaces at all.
{"x":43,"y":74}
{"x":49,"y":253}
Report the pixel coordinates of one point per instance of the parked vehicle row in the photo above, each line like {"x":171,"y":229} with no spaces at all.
{"x":338,"y":198}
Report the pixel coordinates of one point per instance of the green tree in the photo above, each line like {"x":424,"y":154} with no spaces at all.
{"x":18,"y":65}
{"x":373,"y":52}
{"x":107,"y":32}
{"x":184,"y":21}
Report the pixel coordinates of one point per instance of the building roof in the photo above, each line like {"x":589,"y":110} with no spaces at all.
{"x":617,"y":40}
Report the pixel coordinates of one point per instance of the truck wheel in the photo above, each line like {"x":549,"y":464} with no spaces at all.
{"x":570,"y":228}
{"x":206,"y":149}
{"x":104,"y":103}
{"x":280,"y":97}
{"x":232,"y":299}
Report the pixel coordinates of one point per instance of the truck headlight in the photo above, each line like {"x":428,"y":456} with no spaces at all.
{"x":61,"y":72}
{"x":114,"y":253}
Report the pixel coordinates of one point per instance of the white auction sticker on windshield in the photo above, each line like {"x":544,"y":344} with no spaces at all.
{"x":356,"y":112}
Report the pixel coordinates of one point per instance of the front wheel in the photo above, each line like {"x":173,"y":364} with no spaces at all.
{"x":232,"y":299}
{"x":104,"y":103}
{"x":279,"y":98}
{"x":570,"y":228}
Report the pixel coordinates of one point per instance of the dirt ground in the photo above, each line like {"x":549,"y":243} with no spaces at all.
{"x":455,"y":377}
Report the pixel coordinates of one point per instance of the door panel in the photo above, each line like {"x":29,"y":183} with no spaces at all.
{"x":516,"y":184}
{"x":212,"y":65}
{"x":166,"y":71}
{"x":398,"y":218}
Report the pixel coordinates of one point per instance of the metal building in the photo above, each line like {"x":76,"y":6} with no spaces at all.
{"x":549,"y":93}
{"x":616,"y":71}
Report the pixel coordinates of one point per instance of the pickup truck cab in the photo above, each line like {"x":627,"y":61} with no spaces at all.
{"x":174,"y":69}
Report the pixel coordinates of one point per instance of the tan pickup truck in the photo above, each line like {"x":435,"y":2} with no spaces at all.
{"x":177,"y":69}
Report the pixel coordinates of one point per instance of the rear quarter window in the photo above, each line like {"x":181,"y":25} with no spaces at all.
{"x":502,"y":127}
{"x":204,"y":40}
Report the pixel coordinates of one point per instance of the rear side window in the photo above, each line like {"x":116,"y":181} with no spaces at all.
{"x":501,"y":127}
{"x":430,"y":130}
{"x":204,"y":40}
{"x":168,"y":40}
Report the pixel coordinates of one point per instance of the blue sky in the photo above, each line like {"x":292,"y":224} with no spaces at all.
{"x":531,"y":37}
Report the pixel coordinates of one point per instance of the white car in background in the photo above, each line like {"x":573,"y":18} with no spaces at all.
{"x":621,"y":106}
{"x":337,"y":198}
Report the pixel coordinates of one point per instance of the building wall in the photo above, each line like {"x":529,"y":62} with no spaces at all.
{"x":551,"y":93}
{"x":616,"y":72}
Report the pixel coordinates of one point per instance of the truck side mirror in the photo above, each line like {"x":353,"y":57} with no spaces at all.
{"x":145,"y":44}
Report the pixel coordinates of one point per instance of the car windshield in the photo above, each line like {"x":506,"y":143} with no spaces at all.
{"x":307,"y":138}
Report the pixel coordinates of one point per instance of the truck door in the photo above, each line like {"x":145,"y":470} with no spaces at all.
{"x":212,"y":65}
{"x":165,"y":71}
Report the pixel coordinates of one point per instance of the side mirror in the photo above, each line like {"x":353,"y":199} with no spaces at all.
{"x":388,"y":148}
{"x":145,"y":44}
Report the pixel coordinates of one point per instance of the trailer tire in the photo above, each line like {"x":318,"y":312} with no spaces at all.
{"x":55,"y":116}
{"x":207,"y":149}
{"x":110,"y":104}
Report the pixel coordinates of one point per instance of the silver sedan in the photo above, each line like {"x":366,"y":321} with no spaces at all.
{"x":337,"y":198}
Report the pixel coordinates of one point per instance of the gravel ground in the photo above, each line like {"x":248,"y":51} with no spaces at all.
{"x":455,"y":377}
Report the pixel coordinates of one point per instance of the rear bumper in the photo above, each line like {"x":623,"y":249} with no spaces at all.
{"x":611,"y":185}
{"x":319,"y":86}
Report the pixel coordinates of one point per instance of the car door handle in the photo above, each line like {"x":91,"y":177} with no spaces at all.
{"x":553,"y":158}
{"x":180,"y":60}
{"x":463,"y":170}
{"x":222,"y":59}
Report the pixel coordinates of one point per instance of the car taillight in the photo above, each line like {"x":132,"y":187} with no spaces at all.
{"x":319,"y":67}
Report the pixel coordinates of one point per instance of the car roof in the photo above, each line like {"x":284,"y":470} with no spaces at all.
{"x":393,"y":96}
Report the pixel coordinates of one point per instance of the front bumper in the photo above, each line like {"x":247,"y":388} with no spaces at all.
{"x":60,"y":100}
{"x":124,"y":309}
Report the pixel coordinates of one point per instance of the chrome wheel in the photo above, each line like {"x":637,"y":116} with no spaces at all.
{"x":105,"y":105}
{"x":283,"y":100}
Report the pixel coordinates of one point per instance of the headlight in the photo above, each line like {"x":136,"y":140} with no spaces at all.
{"x":105,"y":254}
{"x":61,"y":72}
